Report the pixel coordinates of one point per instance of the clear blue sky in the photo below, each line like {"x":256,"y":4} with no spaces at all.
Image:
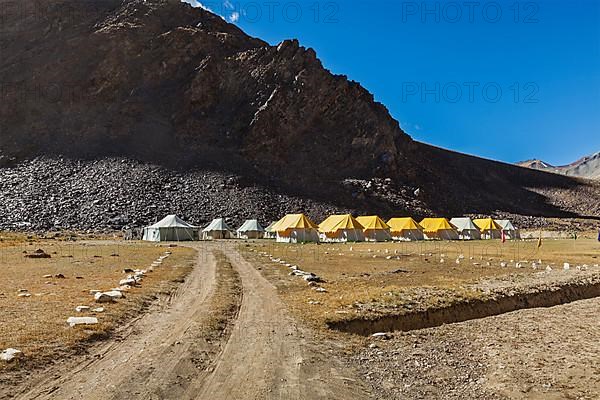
{"x":438,"y":66}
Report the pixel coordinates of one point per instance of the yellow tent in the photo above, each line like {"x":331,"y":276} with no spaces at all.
{"x":400,"y":224}
{"x":489,"y":228}
{"x":405,"y":229}
{"x":337,"y":222}
{"x":341,"y":228}
{"x":439,"y":228}
{"x":293,"y":221}
{"x":485,"y":224}
{"x":375,"y":229}
{"x":296,"y":228}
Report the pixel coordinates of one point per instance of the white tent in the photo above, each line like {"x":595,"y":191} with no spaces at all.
{"x":217,"y":229}
{"x":171,"y":228}
{"x":269,"y":232}
{"x":467,"y":230}
{"x":509,"y":229}
{"x":251,"y":229}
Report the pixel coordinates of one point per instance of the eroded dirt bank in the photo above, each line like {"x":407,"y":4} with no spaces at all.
{"x":474,"y":309}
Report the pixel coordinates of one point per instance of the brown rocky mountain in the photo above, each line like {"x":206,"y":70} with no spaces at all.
{"x":166,"y":84}
{"x":585,"y":167}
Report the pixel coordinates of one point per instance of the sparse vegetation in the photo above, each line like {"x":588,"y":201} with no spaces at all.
{"x":368,"y":280}
{"x":37,"y":324}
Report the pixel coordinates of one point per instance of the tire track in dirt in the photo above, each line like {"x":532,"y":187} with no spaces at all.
{"x":158,"y":354}
{"x":255,"y":349}
{"x":270,"y":356}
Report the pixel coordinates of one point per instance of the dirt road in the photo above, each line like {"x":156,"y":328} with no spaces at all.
{"x":165,"y":354}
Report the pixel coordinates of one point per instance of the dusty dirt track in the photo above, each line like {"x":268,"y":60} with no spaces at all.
{"x":165,"y":355}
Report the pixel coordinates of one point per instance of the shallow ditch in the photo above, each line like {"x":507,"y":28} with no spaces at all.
{"x":466,"y":311}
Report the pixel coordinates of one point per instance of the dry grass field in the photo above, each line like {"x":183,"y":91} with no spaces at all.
{"x":370,"y":279}
{"x":37,"y":324}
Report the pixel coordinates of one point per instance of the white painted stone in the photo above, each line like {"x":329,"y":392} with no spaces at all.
{"x":114,"y":294}
{"x":82,"y":308}
{"x":11,"y":354}
{"x":98,"y":310}
{"x":127,"y":281}
{"x":74,"y":321}
{"x":566,"y":266}
{"x":103,"y":298}
{"x":380,"y":335}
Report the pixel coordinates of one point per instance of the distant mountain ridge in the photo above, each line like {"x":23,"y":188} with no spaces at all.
{"x":585,"y":167}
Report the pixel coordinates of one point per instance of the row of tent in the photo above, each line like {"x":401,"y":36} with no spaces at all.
{"x":298,"y":228}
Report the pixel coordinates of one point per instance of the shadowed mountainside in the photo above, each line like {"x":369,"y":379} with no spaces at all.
{"x":166,"y":84}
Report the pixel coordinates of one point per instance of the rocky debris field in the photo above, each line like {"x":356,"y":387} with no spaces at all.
{"x":49,"y":193}
{"x":46,"y":194}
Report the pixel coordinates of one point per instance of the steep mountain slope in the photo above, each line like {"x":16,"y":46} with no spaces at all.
{"x":179,"y":88}
{"x":585,"y":167}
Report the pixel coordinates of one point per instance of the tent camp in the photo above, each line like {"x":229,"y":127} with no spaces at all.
{"x":341,"y":228}
{"x":269,"y":232}
{"x":217,"y":229}
{"x":296,"y":228}
{"x":251,"y":229}
{"x":375,"y":229}
{"x":439,"y":228}
{"x":405,"y":229}
{"x":510,"y":232}
{"x":171,"y":228}
{"x":489,"y":228}
{"x":467,"y":230}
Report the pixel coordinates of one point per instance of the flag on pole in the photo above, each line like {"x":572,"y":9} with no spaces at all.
{"x":503,"y":236}
{"x":539,"y":244}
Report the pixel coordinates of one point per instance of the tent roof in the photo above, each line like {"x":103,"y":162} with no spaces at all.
{"x":293,"y":221}
{"x":372,"y":222}
{"x":218,"y":224}
{"x":334,"y":223}
{"x":506,"y":225}
{"x":464,"y":224}
{"x":270,"y":227}
{"x":172,"y":221}
{"x":251,"y":225}
{"x":402,"y":224}
{"x":487,"y":224}
{"x":436,"y":224}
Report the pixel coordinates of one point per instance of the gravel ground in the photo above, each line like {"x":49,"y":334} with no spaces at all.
{"x":548,"y":353}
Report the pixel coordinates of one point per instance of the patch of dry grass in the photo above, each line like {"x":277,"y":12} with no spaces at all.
{"x":367,"y":279}
{"x":37,"y":324}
